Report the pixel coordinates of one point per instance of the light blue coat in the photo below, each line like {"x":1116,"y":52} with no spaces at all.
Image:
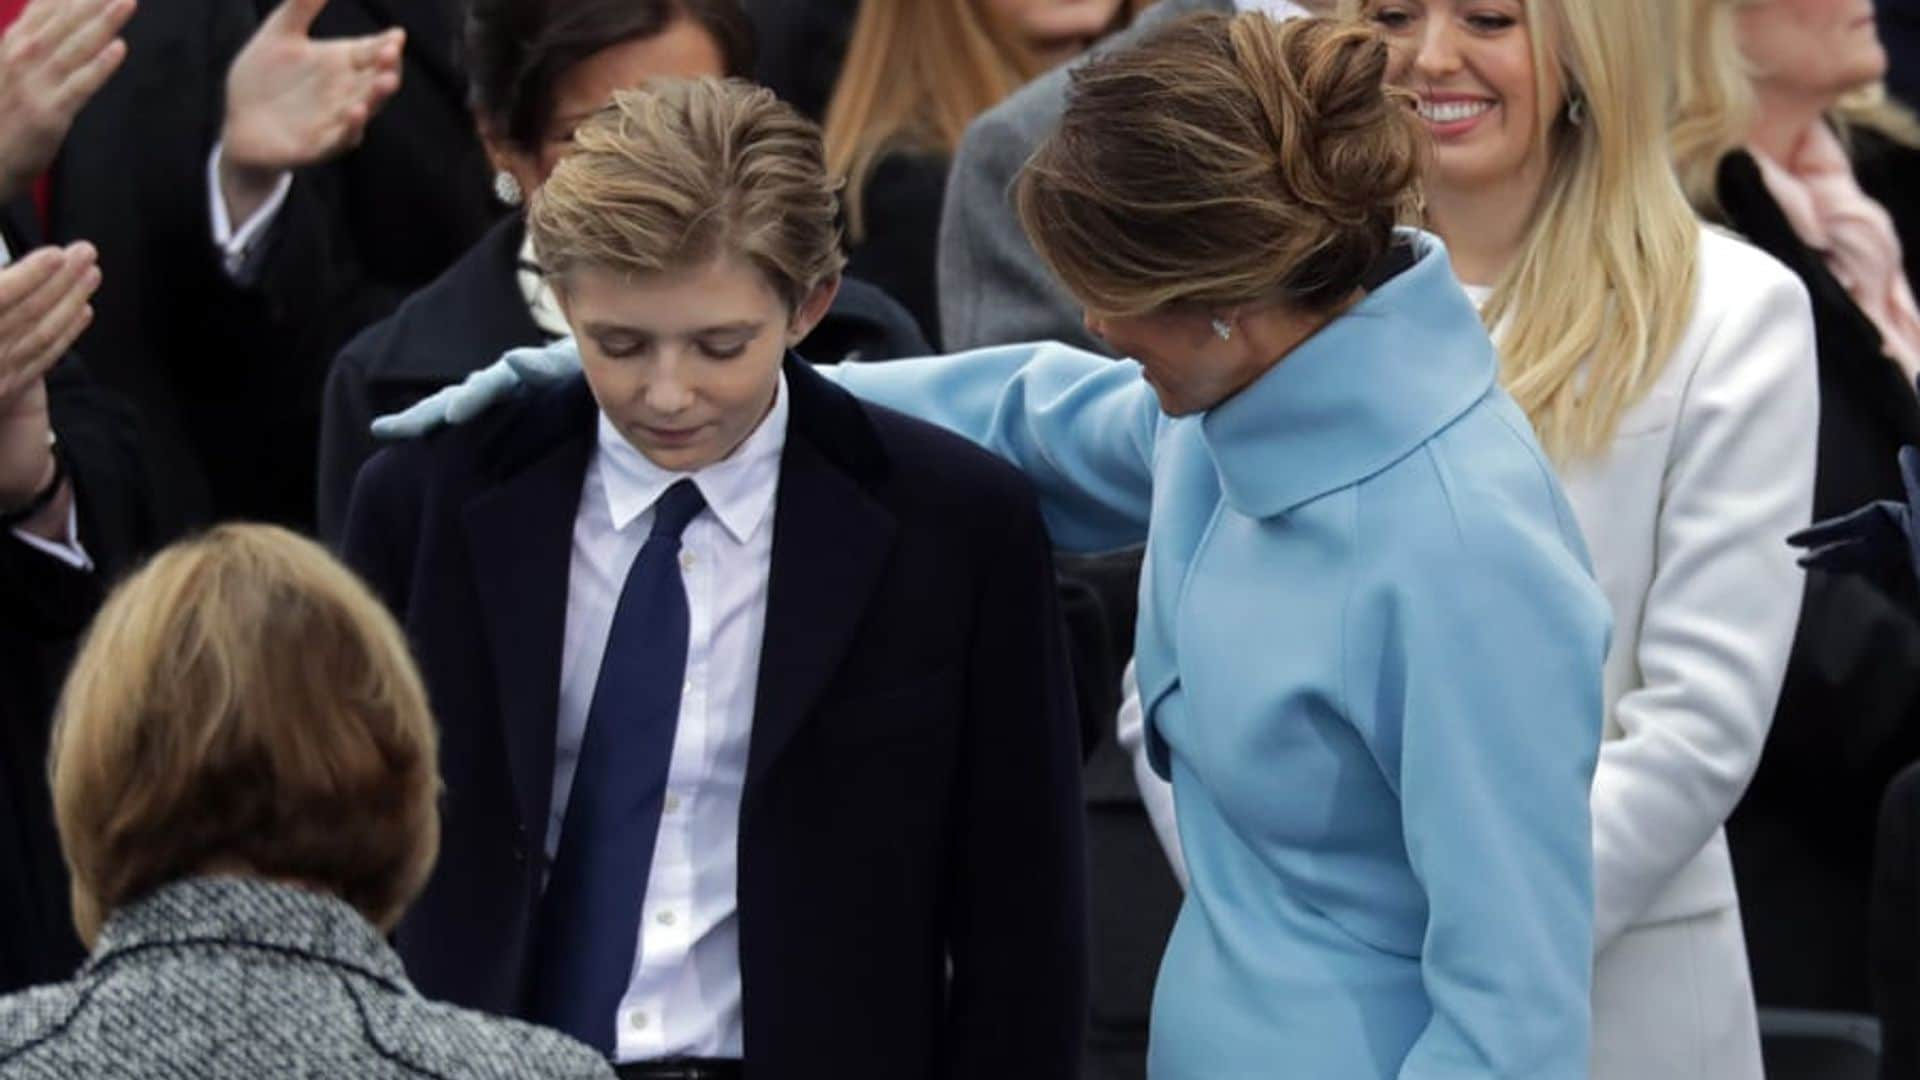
{"x":1370,"y":654}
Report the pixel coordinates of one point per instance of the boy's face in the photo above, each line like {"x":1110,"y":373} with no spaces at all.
{"x":686,"y":363}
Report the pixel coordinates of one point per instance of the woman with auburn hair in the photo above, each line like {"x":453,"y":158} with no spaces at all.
{"x":1369,"y":647}
{"x":245,"y":780}
{"x":916,"y":74}
{"x":1669,"y":371}
{"x":1781,"y":132}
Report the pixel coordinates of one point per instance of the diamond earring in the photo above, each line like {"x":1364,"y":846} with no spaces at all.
{"x":506,"y":188}
{"x":1222,"y":329}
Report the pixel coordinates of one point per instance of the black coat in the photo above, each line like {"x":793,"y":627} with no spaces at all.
{"x":901,"y":204}
{"x":45,"y":606}
{"x":1900,"y":32}
{"x":802,"y":44}
{"x":229,"y":377}
{"x":911,"y":866}
{"x":1849,"y":713}
{"x":475,"y":312}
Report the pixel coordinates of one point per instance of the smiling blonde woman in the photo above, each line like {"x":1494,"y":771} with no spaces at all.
{"x":1669,"y":370}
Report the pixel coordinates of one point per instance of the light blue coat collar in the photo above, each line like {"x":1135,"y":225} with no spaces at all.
{"x":1358,"y":396}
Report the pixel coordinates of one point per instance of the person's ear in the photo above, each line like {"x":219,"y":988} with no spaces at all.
{"x":811,"y":310}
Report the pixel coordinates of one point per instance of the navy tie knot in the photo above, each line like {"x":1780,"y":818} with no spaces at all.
{"x":680,"y":505}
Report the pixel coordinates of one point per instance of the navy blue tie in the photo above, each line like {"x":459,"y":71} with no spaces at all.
{"x":590,"y":915}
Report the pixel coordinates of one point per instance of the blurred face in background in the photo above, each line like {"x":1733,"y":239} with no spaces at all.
{"x":1812,"y":50}
{"x":683,"y":50}
{"x":685,"y":363}
{"x":1055,"y":30}
{"x":1471,"y":63}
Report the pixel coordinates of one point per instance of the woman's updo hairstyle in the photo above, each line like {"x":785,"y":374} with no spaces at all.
{"x":517,"y":51}
{"x":1225,"y":160}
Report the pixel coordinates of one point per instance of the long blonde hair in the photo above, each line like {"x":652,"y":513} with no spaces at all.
{"x":1602,"y":289}
{"x":916,"y":74}
{"x":1713,"y":107}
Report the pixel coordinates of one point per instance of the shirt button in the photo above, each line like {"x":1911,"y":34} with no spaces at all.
{"x":686,"y":560}
{"x":673,"y":804}
{"x":638,"y":1021}
{"x":687,"y":687}
{"x":666,"y":918}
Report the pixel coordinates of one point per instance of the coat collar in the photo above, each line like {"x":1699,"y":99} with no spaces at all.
{"x":462,"y":321}
{"x":831,"y":539}
{"x":225,"y":911}
{"x":1358,"y":396}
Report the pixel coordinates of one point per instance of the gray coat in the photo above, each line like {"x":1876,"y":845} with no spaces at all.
{"x":994,"y":290}
{"x":246,"y":979}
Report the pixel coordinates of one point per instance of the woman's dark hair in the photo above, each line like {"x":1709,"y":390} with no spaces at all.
{"x":517,"y":51}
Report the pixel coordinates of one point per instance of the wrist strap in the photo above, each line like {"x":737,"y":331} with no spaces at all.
{"x":12,"y":519}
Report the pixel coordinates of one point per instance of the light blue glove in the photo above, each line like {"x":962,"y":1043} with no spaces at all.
{"x":480,"y":391}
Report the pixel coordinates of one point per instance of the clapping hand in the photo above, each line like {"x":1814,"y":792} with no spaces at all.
{"x":52,"y":60}
{"x":44,"y":306}
{"x":293,"y":101}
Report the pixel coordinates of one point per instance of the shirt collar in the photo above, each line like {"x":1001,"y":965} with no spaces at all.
{"x":1359,"y":395}
{"x":739,"y":489}
{"x":542,"y":304}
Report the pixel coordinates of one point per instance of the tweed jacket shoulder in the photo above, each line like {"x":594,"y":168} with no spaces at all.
{"x":230,"y":978}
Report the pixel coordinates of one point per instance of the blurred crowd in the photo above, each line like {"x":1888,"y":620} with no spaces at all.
{"x":1458,"y":707}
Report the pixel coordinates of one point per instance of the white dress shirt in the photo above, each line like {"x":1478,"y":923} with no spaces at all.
{"x":684,"y":996}
{"x":67,"y":549}
{"x":237,"y":244}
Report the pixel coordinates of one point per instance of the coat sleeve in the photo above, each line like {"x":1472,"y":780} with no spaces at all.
{"x":1017,"y":936}
{"x":1082,"y":427}
{"x":1473,"y":670}
{"x":1722,"y":603}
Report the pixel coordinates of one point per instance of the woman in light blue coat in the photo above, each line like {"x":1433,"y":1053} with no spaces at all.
{"x":1369,"y":647}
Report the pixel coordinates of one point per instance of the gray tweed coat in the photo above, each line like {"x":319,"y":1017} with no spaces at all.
{"x":244,"y":979}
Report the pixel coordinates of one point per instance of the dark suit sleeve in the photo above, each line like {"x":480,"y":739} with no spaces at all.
{"x":308,"y":275}
{"x":1018,"y":879}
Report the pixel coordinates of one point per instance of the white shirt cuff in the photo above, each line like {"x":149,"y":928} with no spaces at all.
{"x":67,"y":549}
{"x":236,"y":245}
{"x":6,"y":253}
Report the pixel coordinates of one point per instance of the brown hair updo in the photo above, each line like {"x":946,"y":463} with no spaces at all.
{"x":1225,"y":160}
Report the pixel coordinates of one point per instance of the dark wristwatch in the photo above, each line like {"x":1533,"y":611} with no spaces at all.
{"x":17,"y":516}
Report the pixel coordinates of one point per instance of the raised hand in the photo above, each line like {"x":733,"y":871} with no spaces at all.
{"x":293,"y":101}
{"x":52,"y":60}
{"x":44,"y":306}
